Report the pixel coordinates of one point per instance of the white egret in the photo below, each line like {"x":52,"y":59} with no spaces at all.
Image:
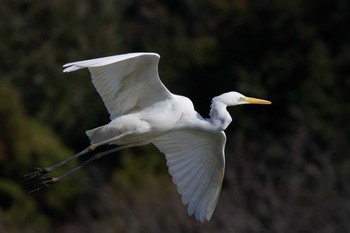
{"x":142,"y":110}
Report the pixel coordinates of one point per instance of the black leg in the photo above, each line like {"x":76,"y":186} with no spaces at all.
{"x":48,"y":181}
{"x":42,"y":171}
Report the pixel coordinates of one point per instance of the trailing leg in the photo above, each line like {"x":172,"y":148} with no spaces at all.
{"x":51,"y":180}
{"x":42,"y":171}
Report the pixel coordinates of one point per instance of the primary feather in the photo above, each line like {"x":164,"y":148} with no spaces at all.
{"x":200,"y":171}
{"x":126,"y":82}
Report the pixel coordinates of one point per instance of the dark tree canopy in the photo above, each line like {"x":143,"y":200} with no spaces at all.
{"x":287,"y":166}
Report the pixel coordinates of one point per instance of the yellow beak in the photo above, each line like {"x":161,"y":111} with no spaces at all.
{"x":251,"y":100}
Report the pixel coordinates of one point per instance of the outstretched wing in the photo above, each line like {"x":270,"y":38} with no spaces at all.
{"x":127,"y":82}
{"x":196,"y":162}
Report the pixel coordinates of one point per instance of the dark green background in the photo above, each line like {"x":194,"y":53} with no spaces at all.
{"x":288,"y":164}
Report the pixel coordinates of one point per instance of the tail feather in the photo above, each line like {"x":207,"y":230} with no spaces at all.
{"x":91,"y":135}
{"x":101,"y":134}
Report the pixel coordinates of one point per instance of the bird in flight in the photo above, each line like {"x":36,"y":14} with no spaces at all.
{"x":142,"y":110}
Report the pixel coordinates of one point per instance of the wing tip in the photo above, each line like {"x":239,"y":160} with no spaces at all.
{"x":68,"y":69}
{"x":203,"y":216}
{"x":72,"y":66}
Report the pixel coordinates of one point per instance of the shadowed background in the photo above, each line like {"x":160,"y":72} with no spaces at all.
{"x":287,"y":165}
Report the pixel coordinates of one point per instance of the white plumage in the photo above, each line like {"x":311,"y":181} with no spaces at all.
{"x":196,"y":162}
{"x":125,"y":82}
{"x":142,"y":111}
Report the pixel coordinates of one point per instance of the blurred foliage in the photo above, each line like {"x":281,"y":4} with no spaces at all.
{"x":288,"y":168}
{"x":24,"y":143}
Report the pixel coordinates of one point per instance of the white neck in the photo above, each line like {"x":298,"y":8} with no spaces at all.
{"x":219,"y":116}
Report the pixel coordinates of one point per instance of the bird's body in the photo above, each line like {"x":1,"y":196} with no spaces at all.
{"x":175,"y":113}
{"x":141,"y":126}
{"x":143,"y":111}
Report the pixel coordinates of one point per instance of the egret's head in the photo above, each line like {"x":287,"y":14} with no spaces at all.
{"x":235,"y":98}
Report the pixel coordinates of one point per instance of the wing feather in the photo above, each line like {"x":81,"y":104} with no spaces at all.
{"x":185,"y":187}
{"x":196,"y":162}
{"x":195,"y":201}
{"x":127,"y":82}
{"x":189,"y":190}
{"x":178,"y":168}
{"x":191,"y":195}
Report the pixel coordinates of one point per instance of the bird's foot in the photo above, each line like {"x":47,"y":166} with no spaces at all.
{"x":37,"y":173}
{"x":46,"y":182}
